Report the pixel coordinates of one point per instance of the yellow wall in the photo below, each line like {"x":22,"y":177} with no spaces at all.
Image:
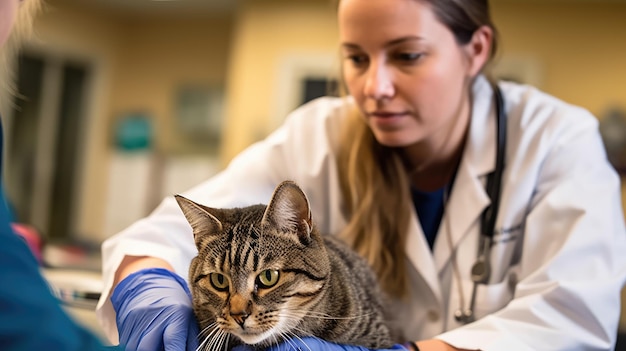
{"x":580,"y":45}
{"x":265,"y":32}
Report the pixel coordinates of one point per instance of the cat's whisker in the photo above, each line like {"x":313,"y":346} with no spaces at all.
{"x":210,"y":333}
{"x":207,"y":337}
{"x":224,"y":340}
{"x":220,"y":341}
{"x":287,"y":339}
{"x":301,"y":340}
{"x":305,"y":332}
{"x":291,"y":322}
{"x":216,"y":341}
{"x":320,"y":315}
{"x":206,"y":329}
{"x":275,"y":338}
{"x":282,"y":334}
{"x":227,"y":342}
{"x":212,"y":337}
{"x":314,"y":313}
{"x":201,"y":346}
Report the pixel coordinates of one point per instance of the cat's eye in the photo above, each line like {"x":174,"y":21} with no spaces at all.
{"x":268,"y":278}
{"x":219,"y":281}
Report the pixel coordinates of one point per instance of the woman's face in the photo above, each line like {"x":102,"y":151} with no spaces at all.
{"x":409,"y":76}
{"x":8,"y":11}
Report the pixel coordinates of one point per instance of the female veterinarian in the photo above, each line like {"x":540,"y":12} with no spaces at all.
{"x":489,"y":211}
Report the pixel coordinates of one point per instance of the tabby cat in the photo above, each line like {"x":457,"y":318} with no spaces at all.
{"x":264,"y":274}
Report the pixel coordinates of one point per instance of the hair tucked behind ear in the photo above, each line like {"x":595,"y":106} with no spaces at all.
{"x":21,"y":30}
{"x":464,"y":17}
{"x":376,"y":194}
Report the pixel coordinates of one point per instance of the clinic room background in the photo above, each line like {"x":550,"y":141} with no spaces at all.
{"x":130,"y":101}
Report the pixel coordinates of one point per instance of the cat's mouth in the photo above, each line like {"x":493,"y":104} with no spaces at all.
{"x":257,"y":335}
{"x":251,"y":337}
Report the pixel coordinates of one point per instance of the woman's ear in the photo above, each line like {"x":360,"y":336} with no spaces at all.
{"x":478,"y":50}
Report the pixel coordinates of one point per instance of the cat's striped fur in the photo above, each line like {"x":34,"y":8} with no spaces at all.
{"x":264,"y":274}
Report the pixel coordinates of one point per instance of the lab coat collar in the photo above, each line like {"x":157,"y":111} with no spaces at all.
{"x":468,"y":198}
{"x":480,"y":148}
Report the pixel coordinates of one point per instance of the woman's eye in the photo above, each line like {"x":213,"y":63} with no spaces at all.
{"x":408,"y":56}
{"x":268,"y":278}
{"x":219,"y":281}
{"x":357,"y":60}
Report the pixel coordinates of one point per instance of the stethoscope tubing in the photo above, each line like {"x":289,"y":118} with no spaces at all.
{"x":481,"y":269}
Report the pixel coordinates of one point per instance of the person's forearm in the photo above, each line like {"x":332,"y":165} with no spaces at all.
{"x":132,"y":264}
{"x":436,"y":345}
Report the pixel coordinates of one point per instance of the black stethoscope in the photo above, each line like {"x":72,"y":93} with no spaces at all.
{"x":481,"y":269}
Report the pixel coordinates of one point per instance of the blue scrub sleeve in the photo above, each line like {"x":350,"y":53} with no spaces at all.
{"x":31,"y":317}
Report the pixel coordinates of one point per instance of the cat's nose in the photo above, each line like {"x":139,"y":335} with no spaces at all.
{"x":240,"y":308}
{"x":240,"y":318}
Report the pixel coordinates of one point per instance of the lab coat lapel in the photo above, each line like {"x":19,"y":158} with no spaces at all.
{"x":418,"y":252}
{"x":468,"y":198}
{"x":465,"y":205}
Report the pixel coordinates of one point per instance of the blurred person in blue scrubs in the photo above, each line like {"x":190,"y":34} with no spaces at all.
{"x":31,"y":317}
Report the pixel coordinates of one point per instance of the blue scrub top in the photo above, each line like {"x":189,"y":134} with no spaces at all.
{"x":429,"y":207}
{"x":31,"y":318}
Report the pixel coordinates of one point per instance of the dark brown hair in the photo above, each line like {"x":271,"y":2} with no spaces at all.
{"x":464,"y":17}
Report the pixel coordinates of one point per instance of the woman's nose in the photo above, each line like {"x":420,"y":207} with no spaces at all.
{"x":378,"y":82}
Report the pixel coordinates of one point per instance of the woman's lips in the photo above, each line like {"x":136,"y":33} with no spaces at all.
{"x":387,"y":114}
{"x":387,"y":119}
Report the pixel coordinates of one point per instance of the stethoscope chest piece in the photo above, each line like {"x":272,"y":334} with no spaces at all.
{"x":464,"y":316}
{"x":481,"y":271}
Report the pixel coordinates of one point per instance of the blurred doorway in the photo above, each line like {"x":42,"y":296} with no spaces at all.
{"x":43,"y":139}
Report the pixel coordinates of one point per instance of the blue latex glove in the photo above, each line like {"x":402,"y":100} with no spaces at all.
{"x":154,"y":312}
{"x":315,"y":344}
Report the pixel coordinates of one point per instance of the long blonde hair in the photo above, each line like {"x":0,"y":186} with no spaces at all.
{"x":376,"y":191}
{"x":21,"y":30}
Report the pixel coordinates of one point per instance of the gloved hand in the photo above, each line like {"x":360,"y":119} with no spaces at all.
{"x":315,"y":344}
{"x":154,"y":312}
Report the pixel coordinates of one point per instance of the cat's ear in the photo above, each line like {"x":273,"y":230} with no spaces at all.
{"x":201,"y":221}
{"x":289,"y":211}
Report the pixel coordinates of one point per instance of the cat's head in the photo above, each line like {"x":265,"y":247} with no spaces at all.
{"x":259,"y":269}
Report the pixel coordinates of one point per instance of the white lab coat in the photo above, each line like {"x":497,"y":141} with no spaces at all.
{"x":559,"y":253}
